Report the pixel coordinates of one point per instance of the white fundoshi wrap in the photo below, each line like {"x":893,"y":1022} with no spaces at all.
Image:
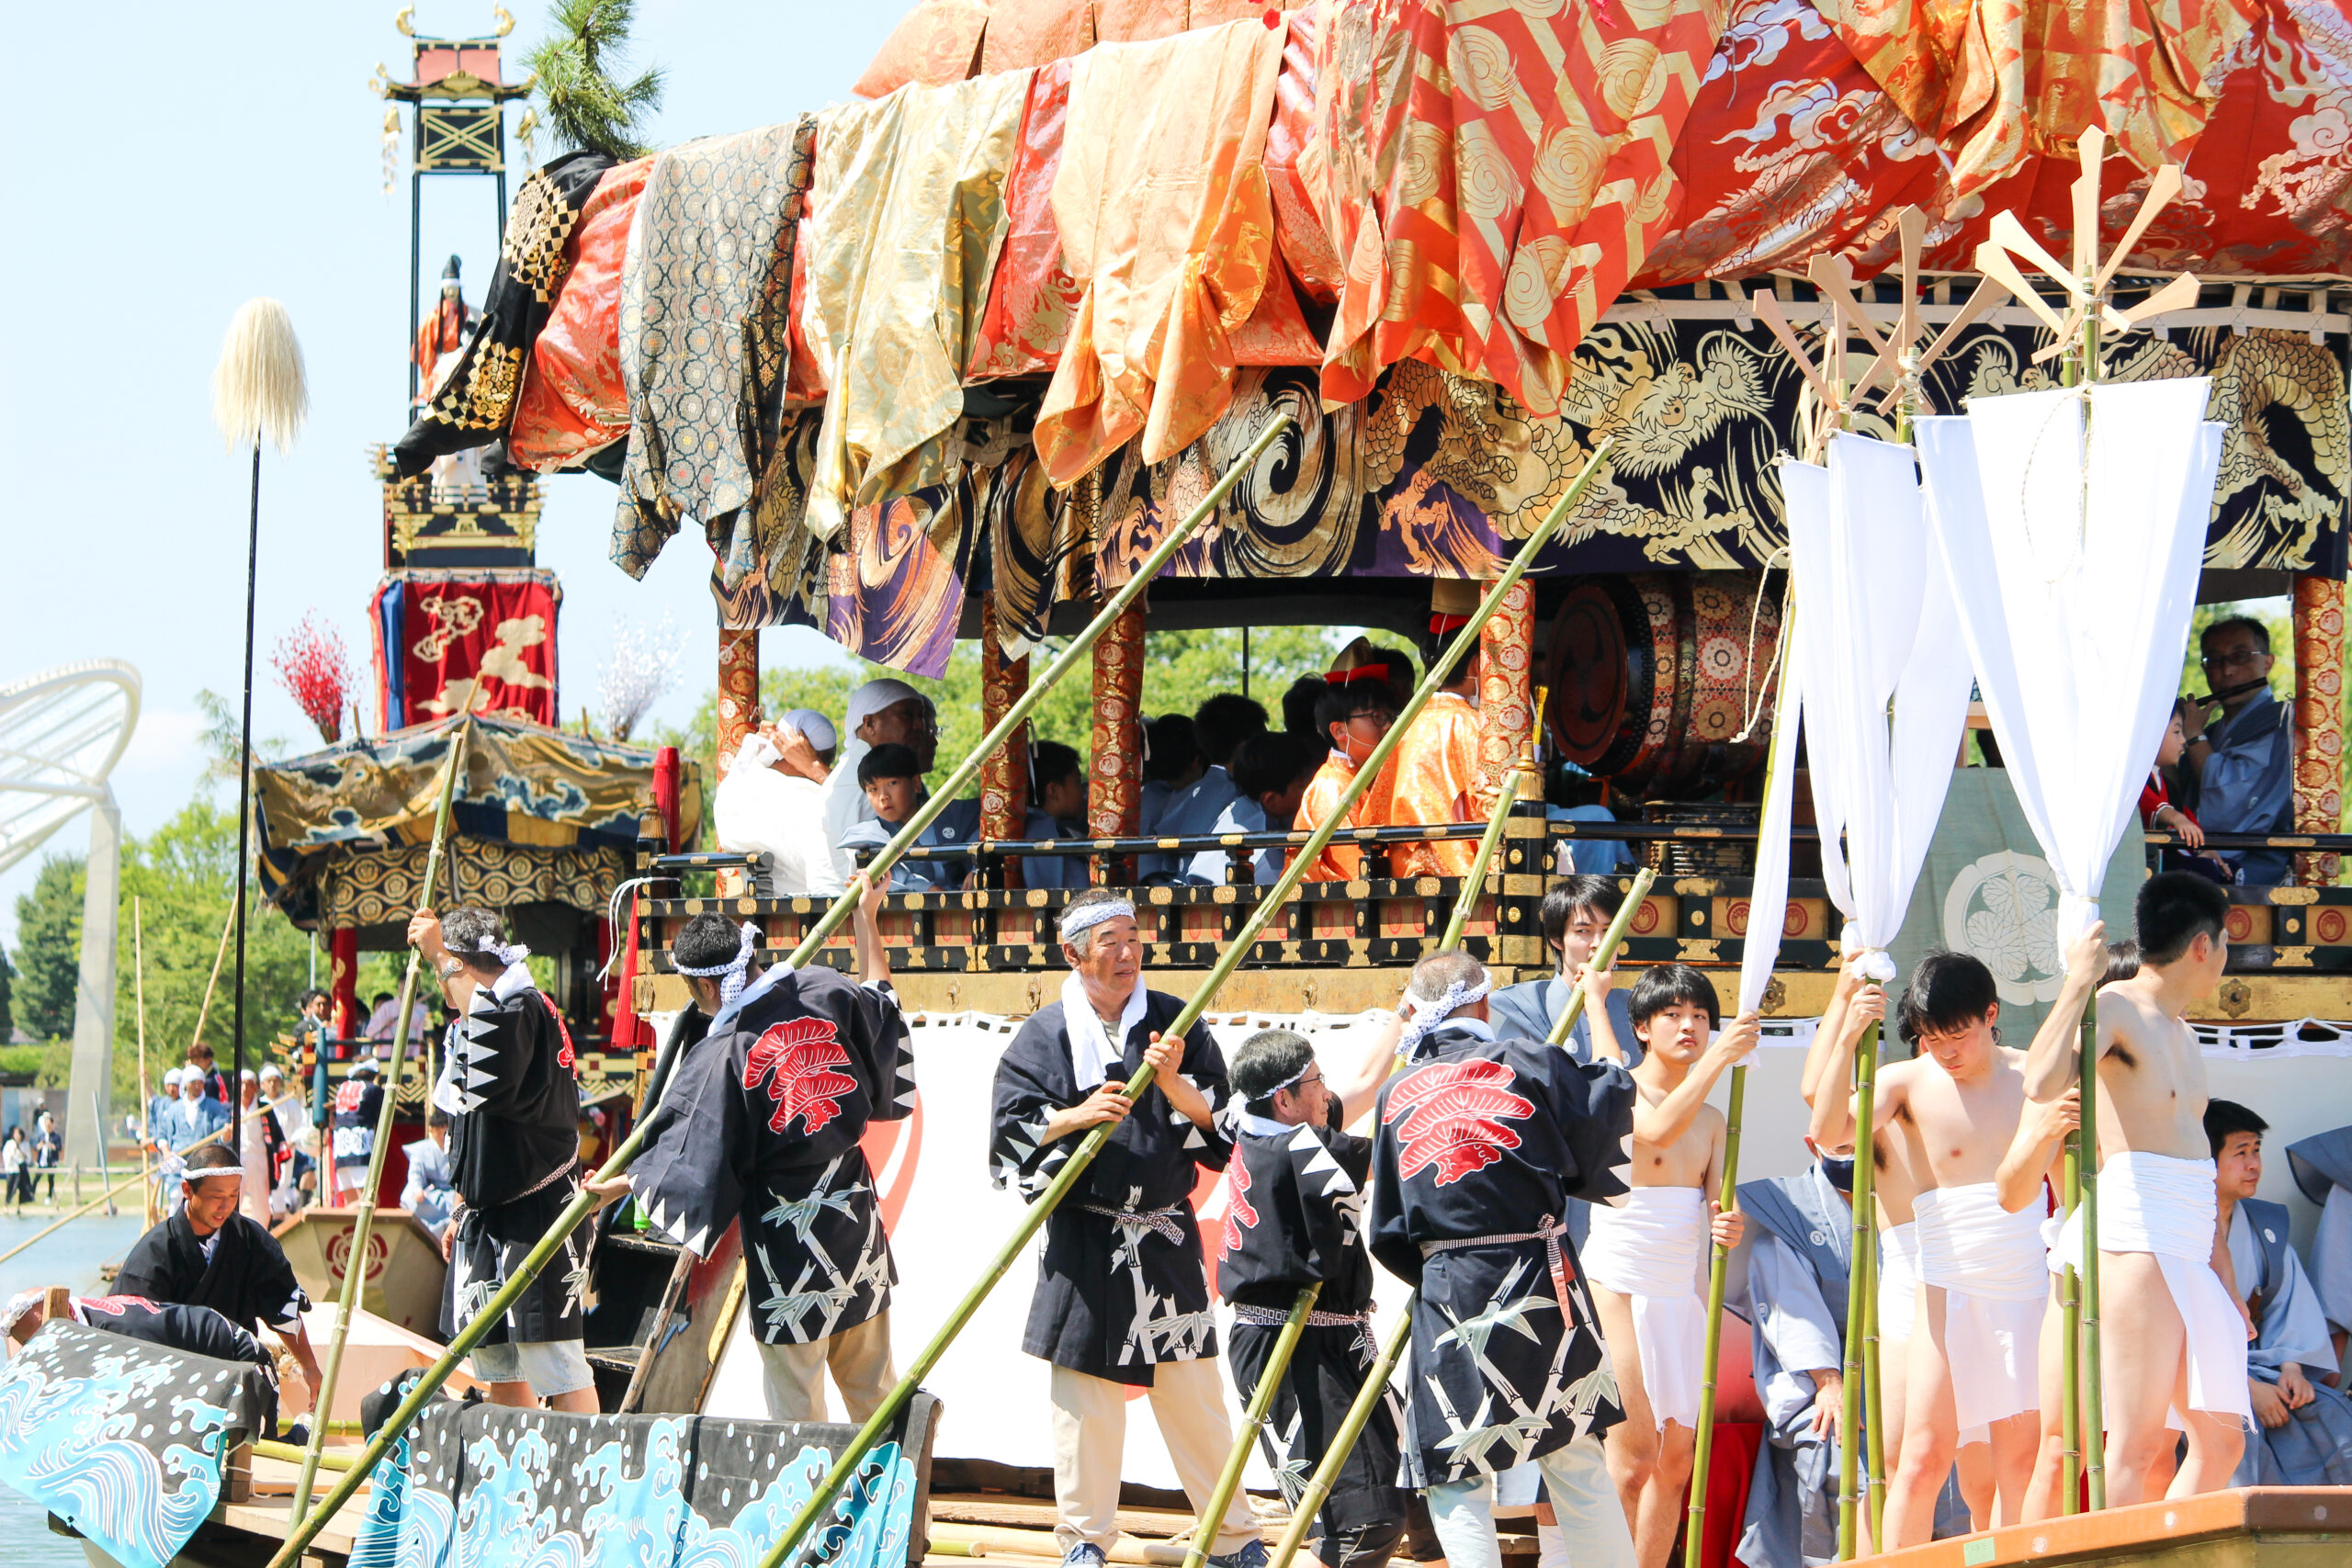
{"x":2165,"y":1207}
{"x":1992,"y":1268}
{"x":1649,"y":1249}
{"x":1898,"y":1280}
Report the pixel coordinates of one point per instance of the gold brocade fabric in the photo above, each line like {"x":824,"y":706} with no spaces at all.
{"x":904,"y":226}
{"x":369,"y":887}
{"x":1496,"y":171}
{"x":1167,"y":224}
{"x":1437,"y":770}
{"x":1996,"y":82}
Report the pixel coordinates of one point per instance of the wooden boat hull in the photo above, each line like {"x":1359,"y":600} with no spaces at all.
{"x":2271,"y":1527}
{"x":405,"y":1270}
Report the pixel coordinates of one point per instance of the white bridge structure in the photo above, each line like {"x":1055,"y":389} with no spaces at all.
{"x":61,"y":732}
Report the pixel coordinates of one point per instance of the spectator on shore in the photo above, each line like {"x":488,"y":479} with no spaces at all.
{"x":2244,"y":758}
{"x":1219,"y":725}
{"x":1172,"y":762}
{"x":384,"y":1022}
{"x":48,"y":1150}
{"x":767,"y":804}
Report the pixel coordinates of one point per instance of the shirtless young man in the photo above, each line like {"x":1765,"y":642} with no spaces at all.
{"x":1952,"y":1112}
{"x":1854,"y":1005}
{"x":1644,"y":1259}
{"x":2173,"y":1332}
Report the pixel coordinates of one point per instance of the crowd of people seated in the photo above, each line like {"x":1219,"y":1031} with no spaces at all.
{"x":818,"y":804}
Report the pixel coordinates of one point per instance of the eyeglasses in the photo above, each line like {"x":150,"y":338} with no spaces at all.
{"x":2241,"y":657}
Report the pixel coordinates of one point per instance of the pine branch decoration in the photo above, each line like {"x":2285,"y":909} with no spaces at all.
{"x":586,"y":106}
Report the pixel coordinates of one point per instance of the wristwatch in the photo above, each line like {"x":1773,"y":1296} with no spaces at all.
{"x":448,"y":966}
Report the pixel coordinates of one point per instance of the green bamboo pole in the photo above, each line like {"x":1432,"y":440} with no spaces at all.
{"x":1873,"y":1393}
{"x":1375,"y":1385}
{"x":1262,"y":1401}
{"x":2093,"y":1422}
{"x":1343,"y":1441}
{"x":355,"y":1267}
{"x":1474,"y":883}
{"x":1605,"y":954}
{"x":1238,"y":948}
{"x":1859,"y":1305}
{"x":585,"y":1202}
{"x":2069,"y":1366}
{"x":1695,"y":1532}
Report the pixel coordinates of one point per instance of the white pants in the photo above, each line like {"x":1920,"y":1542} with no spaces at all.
{"x":859,"y":1358}
{"x":1591,"y":1518}
{"x":1090,"y":1439}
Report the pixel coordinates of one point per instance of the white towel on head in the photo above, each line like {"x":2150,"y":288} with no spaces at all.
{"x":2165,"y":1207}
{"x":1652,"y":1250}
{"x":1898,"y":1280}
{"x":1991,"y":1266}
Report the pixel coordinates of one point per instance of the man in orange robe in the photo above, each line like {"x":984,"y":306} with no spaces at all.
{"x":1355,"y":714}
{"x":1436,"y":765}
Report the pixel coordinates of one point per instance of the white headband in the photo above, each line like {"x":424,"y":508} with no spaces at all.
{"x":507,"y":956}
{"x":1084,"y":917}
{"x":1427,"y":1016}
{"x":747,"y":937}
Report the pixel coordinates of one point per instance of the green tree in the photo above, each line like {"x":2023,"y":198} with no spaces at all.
{"x":49,"y":947}
{"x":2276,"y":618}
{"x":7,"y":1011}
{"x":1180,"y":669}
{"x":587,"y":106}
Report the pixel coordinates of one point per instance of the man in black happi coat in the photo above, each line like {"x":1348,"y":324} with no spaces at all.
{"x":1123,"y":1298}
{"x":1295,"y":1192}
{"x":512,"y":1090}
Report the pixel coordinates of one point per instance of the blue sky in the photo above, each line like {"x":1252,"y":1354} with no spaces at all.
{"x":179,"y":161}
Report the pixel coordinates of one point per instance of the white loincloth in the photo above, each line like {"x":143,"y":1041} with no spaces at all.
{"x":1994,"y":1272}
{"x":2165,"y":1207}
{"x":1898,"y":1280}
{"x":1650,"y":1250}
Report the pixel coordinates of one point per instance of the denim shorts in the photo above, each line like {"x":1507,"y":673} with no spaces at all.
{"x":550,"y":1366}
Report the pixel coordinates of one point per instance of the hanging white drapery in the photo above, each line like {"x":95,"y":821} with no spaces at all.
{"x":1885,"y":681}
{"x":2074,"y":564}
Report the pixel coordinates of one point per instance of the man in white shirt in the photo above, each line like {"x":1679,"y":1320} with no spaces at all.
{"x":766,"y":804}
{"x":880,"y":712}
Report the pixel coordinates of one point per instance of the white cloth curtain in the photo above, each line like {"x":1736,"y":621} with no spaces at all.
{"x":2075,"y":566}
{"x":1768,"y":900}
{"x":1887,"y":678}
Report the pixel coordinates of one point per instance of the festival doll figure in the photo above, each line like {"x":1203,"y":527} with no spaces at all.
{"x":1646,"y":1260}
{"x":1954,"y":1110}
{"x":2174,"y":1331}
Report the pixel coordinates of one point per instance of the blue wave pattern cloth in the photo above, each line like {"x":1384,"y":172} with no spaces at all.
{"x":123,"y":1440}
{"x":477,"y":1487}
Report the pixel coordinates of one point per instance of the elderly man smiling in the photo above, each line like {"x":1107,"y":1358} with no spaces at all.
{"x":1123,"y":1298}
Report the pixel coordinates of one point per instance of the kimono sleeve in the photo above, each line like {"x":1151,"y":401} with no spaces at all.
{"x":2293,"y":1328}
{"x":1790,"y":1314}
{"x":1391,"y":1242}
{"x":147,"y":1272}
{"x":490,"y":1052}
{"x":879,"y":1034}
{"x":1027,"y":1090}
{"x":1593,"y":1103}
{"x":1321,"y":1187}
{"x":690,"y":1182}
{"x":273,"y":1293}
{"x":1211,"y":1147}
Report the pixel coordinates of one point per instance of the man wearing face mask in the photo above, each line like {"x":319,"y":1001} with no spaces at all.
{"x":1355,"y":714}
{"x":1295,"y":1217}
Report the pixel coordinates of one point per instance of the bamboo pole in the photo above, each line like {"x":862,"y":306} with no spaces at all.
{"x":1873,"y":1394}
{"x":2069,"y":1366}
{"x":1703,"y":1455}
{"x":821,"y":1499}
{"x":146,"y":1116}
{"x":1343,"y":1441}
{"x":1859,"y":1303}
{"x":471,"y":1333}
{"x":1262,"y":1400}
{"x":356,"y":1262}
{"x":219,"y":952}
{"x":109,"y":1194}
{"x":2092,"y":1423}
{"x":1375,"y":1385}
{"x":1474,"y":883}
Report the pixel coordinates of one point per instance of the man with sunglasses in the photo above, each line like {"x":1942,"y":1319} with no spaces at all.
{"x":2244,"y":758}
